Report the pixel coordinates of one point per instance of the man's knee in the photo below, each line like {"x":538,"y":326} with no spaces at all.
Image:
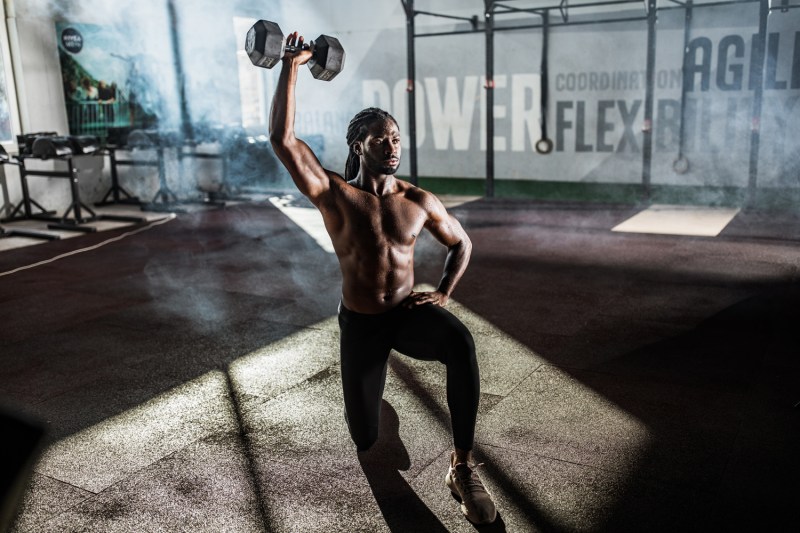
{"x":461,"y":345}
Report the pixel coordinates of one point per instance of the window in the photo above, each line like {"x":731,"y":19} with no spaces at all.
{"x":254,"y":83}
{"x":9,"y":112}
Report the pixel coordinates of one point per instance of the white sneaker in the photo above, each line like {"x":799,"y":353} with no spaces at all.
{"x":476,"y":502}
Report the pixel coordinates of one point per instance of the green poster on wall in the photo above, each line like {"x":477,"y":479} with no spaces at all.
{"x":105,"y":84}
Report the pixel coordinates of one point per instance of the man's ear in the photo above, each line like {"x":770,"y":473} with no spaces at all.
{"x":357,"y":148}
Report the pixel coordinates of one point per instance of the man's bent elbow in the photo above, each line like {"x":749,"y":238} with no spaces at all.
{"x":462,"y":249}
{"x":279,"y":139}
{"x":466,"y":245}
{"x":281,"y":143}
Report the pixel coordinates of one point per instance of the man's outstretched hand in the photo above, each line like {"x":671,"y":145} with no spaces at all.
{"x":428,"y":297}
{"x":300,"y":55}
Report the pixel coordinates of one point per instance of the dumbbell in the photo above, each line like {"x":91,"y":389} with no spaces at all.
{"x":266,"y":46}
{"x":52,"y":146}
{"x":59,"y":147}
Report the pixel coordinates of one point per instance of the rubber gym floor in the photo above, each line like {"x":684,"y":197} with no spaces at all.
{"x":188,"y":378}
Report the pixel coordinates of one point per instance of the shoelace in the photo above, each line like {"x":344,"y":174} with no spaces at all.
{"x":466,"y":480}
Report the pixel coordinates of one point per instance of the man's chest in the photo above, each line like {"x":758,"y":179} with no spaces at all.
{"x":395,"y":220}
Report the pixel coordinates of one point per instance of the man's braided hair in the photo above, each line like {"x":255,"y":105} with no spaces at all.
{"x":357,"y":131}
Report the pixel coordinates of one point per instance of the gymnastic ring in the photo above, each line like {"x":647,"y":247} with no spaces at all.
{"x":544,"y":145}
{"x":680,"y":165}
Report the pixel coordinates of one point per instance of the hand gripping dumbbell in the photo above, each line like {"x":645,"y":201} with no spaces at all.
{"x":266,"y":46}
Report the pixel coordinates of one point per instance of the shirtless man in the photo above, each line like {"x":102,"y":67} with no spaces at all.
{"x":374,"y":220}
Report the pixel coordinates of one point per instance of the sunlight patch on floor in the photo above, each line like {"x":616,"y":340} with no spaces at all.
{"x":99,"y":456}
{"x":679,"y":220}
{"x":309,"y":220}
{"x":114,"y":449}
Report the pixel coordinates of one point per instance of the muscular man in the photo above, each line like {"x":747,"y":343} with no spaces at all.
{"x":374,"y":220}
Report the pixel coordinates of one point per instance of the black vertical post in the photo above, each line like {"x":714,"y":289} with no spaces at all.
{"x":176,"y":54}
{"x":489,"y":30}
{"x":647,"y":128}
{"x":162,"y":178}
{"x":411,"y":88}
{"x":757,"y":72}
{"x":114,"y":176}
{"x":26,"y":195}
{"x":73,"y":185}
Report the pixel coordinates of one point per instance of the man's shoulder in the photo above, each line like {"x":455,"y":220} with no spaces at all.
{"x":411,"y":191}
{"x":417,"y":194}
{"x":426,"y":200}
{"x":335,"y":180}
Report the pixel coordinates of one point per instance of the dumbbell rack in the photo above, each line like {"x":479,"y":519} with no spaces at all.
{"x":31,"y":234}
{"x":74,"y":216}
{"x":165,"y":200}
{"x":7,"y":206}
{"x":218,"y":197}
{"x":116,"y":191}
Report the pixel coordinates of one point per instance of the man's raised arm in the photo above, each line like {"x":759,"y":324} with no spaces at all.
{"x":311,"y":179}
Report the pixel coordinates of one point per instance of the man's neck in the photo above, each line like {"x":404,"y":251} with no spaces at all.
{"x":379,"y":184}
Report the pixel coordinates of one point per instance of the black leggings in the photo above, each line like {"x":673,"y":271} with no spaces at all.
{"x":426,"y":332}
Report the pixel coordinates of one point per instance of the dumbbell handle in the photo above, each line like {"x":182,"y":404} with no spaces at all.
{"x":292,"y":48}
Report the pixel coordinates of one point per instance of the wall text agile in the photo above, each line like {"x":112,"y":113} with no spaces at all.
{"x":724,"y":67}
{"x":730,"y":61}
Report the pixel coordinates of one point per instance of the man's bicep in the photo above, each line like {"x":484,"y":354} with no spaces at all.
{"x":444,"y":226}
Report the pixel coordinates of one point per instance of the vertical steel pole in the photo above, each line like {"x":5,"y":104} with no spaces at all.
{"x":687,"y":25}
{"x":647,"y":128}
{"x":489,"y":30}
{"x":176,"y":50}
{"x":412,"y":97}
{"x":757,"y":71}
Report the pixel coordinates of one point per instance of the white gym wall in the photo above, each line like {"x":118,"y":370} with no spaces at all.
{"x":595,"y":113}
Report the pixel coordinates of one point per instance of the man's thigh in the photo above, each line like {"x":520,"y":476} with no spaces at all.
{"x":431,"y":333}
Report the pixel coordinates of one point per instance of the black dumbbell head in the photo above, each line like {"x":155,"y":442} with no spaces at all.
{"x":52,"y":147}
{"x":265,"y":44}
{"x":84,"y":144}
{"x":25,"y":141}
{"x":140,"y":139}
{"x":168,"y":138}
{"x":118,"y":136}
{"x":328,"y":59}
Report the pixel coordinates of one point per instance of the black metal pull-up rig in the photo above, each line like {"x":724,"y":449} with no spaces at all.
{"x":495,"y":9}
